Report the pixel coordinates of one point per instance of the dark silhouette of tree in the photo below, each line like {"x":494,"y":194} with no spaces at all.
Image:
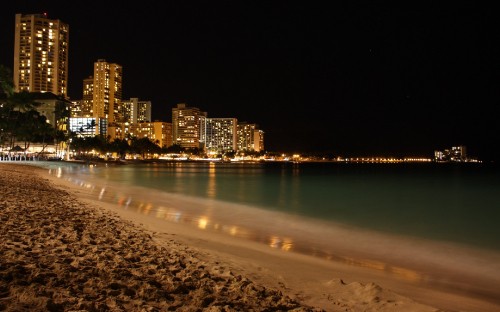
{"x":6,"y":83}
{"x":194,"y":151}
{"x":33,"y":127}
{"x":173,"y":149}
{"x":60,"y":137}
{"x":16,"y":114}
{"x":19,"y":119}
{"x":144,"y":146}
{"x":229,"y":154}
{"x":78,"y":145}
{"x":62,"y":114}
{"x":84,"y":145}
{"x":120,"y":147}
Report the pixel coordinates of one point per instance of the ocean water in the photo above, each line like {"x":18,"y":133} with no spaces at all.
{"x":452,"y":202}
{"x":430,"y":223}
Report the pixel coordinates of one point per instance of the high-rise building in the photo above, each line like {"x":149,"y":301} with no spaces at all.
{"x":76,"y":108}
{"x":221,"y":135}
{"x":85,"y":126}
{"x":250,"y":137}
{"x":258,"y":140}
{"x":134,"y":111}
{"x":41,"y":54}
{"x":186,"y":128}
{"x":88,"y":97}
{"x":158,"y":132}
{"x":84,"y":107}
{"x":107,"y":91}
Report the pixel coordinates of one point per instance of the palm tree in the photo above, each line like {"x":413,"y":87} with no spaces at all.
{"x":144,"y":146}
{"x":17,"y":113}
{"x":6,"y":83}
{"x":120,"y":147}
{"x":7,"y":86}
{"x":62,"y":114}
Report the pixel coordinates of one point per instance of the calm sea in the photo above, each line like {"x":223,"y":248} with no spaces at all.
{"x":450,"y":202}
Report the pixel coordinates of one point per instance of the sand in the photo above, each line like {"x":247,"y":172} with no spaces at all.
{"x":61,"y":251}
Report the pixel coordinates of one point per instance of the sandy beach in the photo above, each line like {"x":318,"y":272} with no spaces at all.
{"x":64,"y":252}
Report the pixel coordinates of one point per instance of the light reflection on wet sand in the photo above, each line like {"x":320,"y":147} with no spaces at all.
{"x":177,"y":215}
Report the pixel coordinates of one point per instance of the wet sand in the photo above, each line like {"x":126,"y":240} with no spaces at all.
{"x":65,"y":252}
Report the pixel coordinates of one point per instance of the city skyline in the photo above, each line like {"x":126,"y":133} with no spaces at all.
{"x":371,"y":80}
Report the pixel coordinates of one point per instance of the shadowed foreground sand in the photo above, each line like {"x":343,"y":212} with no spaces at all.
{"x":60,"y":253}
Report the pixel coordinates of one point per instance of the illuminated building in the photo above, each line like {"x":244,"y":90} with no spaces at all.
{"x":158,"y":132}
{"x":88,"y":97}
{"x":84,"y":126}
{"x":187,"y":126}
{"x":249,"y":137}
{"x":107,"y":91}
{"x":115,"y":131}
{"x":84,"y":107}
{"x":134,"y":111}
{"x":258,"y":141}
{"x":221,"y":135}
{"x":41,"y":54}
{"x":439,"y":155}
{"x":54,"y":108}
{"x":455,"y":154}
{"x":458,"y":153}
{"x":76,"y":108}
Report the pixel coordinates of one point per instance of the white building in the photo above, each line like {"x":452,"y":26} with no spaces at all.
{"x":221,"y":135}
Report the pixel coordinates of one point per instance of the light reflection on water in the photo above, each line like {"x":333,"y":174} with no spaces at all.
{"x":204,"y":222}
{"x":174,"y":214}
{"x":275,"y":241}
{"x":212,"y":182}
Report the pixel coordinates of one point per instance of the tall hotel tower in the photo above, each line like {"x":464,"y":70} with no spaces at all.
{"x":221,"y":135}
{"x":41,"y":54}
{"x":107,"y":91}
{"x":87,"y":104}
{"x":250,"y":137}
{"x":188,"y":126}
{"x":134,"y":111}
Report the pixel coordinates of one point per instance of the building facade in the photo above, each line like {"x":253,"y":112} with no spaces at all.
{"x":107,"y":91}
{"x":258,"y":140}
{"x":41,"y":54}
{"x":84,"y":107}
{"x":455,"y":154}
{"x":221,"y":135}
{"x":83,"y":126}
{"x":134,"y":111}
{"x":55,"y":108}
{"x":250,"y":137}
{"x":87,"y":108}
{"x":158,"y":132}
{"x":186,"y":129}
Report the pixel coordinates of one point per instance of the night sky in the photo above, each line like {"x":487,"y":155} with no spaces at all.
{"x":347,"y":79}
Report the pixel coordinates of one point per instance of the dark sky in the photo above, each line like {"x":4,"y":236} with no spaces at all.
{"x":350,"y":79}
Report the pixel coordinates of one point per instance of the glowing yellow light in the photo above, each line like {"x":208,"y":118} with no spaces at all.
{"x":233,"y":231}
{"x":287,"y":245}
{"x":202,"y":223}
{"x":274,"y":242}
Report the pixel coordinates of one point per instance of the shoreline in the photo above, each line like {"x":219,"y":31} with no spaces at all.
{"x":315,"y":282}
{"x":61,"y":254}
